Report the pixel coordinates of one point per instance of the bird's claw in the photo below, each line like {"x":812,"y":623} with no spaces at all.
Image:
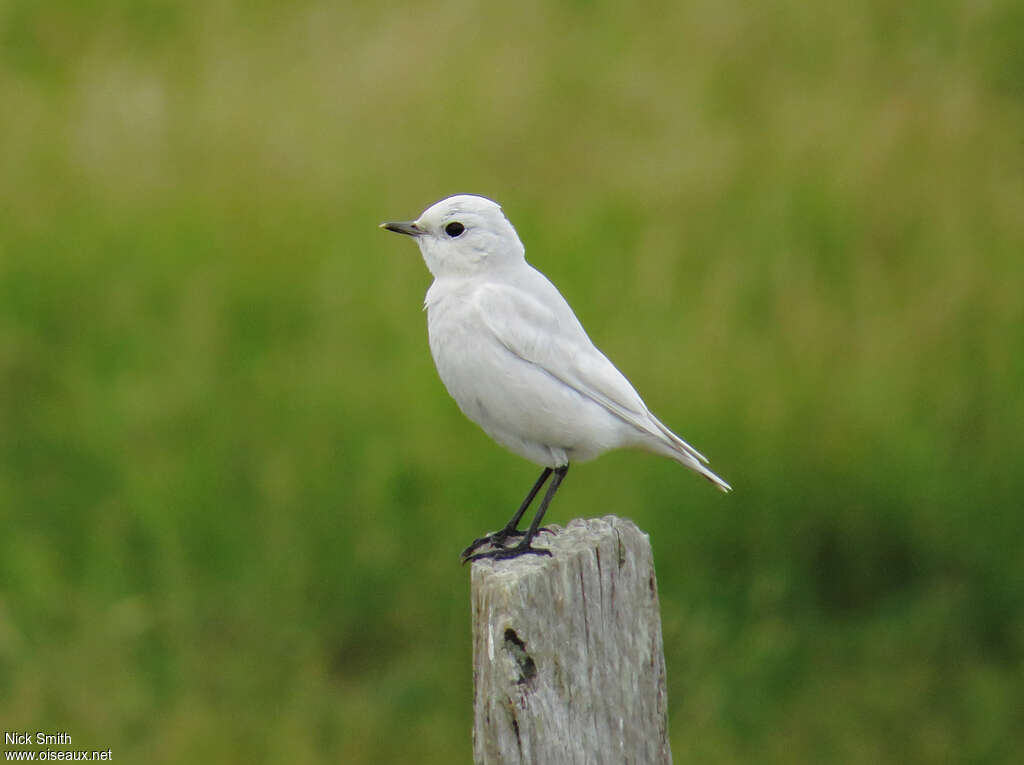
{"x":506,"y":553}
{"x":497,"y":539}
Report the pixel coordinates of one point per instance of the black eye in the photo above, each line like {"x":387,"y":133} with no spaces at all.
{"x":454,"y":228}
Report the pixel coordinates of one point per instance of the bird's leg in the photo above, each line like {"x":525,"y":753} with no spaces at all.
{"x":524,"y":547}
{"x":498,"y":537}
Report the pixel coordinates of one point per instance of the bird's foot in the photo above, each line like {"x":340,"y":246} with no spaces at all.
{"x":497,"y":539}
{"x":506,"y":553}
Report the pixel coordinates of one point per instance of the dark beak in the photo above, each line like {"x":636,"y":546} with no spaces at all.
{"x":407,"y":227}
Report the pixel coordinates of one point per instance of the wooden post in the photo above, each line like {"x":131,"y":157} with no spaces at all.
{"x":568,"y":665}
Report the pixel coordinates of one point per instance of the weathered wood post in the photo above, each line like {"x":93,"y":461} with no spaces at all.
{"x":568,"y":665}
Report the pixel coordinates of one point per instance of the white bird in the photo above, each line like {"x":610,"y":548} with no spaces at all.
{"x":519,"y":364}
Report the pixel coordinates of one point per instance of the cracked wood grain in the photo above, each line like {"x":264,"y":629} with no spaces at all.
{"x":568,"y":665}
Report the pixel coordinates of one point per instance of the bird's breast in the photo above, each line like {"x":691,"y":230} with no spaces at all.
{"x":460,"y":346}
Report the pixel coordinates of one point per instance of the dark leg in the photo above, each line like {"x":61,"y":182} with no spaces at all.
{"x":511,"y":528}
{"x":524,"y":546}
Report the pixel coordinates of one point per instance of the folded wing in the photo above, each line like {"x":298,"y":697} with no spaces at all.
{"x":551,"y":337}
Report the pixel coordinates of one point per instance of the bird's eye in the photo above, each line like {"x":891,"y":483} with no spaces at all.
{"x":454,"y":228}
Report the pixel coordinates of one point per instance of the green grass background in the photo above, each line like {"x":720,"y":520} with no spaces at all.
{"x":233,"y":490}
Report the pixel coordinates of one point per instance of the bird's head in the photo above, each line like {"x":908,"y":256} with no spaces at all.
{"x":463,"y":234}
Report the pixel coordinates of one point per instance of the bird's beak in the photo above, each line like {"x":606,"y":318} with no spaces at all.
{"x":407,"y":227}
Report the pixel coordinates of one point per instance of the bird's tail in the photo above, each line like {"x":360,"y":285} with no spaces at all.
{"x":688,"y":461}
{"x":673,"y":446}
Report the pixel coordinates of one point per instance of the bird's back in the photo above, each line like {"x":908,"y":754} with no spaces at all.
{"x":513,"y":355}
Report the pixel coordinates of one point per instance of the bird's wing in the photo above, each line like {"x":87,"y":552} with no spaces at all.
{"x":554,"y":340}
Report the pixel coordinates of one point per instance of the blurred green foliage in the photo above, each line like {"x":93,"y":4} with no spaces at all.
{"x":233,"y":491}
